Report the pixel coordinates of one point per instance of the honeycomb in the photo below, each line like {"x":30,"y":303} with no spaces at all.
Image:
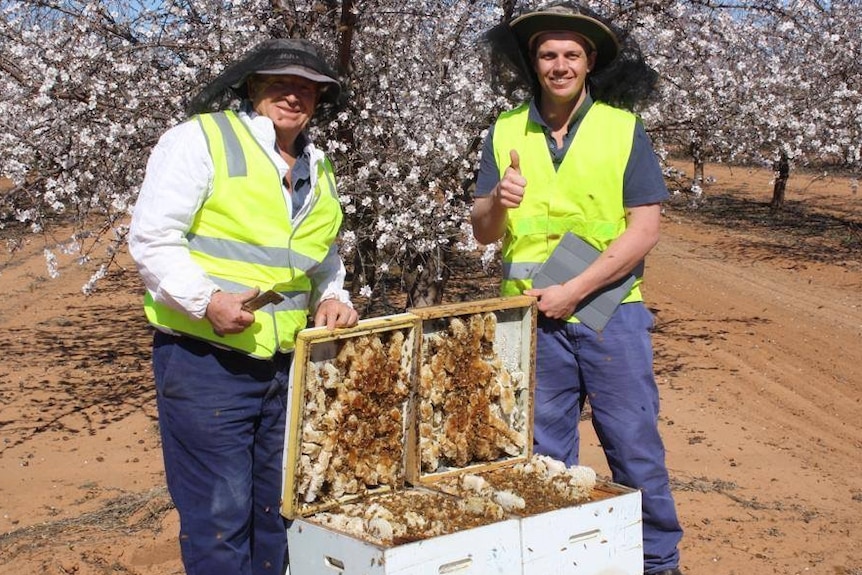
{"x":410,"y":515}
{"x":535,"y":486}
{"x":462,"y":501}
{"x":471,"y":406}
{"x":353,"y":420}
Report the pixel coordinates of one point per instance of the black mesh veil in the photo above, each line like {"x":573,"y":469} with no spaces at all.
{"x":510,"y":66}
{"x":624,"y":82}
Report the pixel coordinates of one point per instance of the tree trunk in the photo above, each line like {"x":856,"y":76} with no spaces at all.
{"x":364,"y":266}
{"x":429,"y":284}
{"x":346,"y":29}
{"x":698,"y":173}
{"x":697,"y":158}
{"x":508,"y":10}
{"x":782,"y":174}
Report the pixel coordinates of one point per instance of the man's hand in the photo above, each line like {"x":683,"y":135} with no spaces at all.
{"x":510,"y":190}
{"x":225,"y":311}
{"x":555,"y":302}
{"x":489,"y":212}
{"x":333,"y":313}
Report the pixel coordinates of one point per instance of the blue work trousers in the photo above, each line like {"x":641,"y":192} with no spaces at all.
{"x":222,"y":422}
{"x":614,"y":369}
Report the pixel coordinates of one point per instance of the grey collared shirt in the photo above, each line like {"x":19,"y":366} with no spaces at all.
{"x":300,"y":176}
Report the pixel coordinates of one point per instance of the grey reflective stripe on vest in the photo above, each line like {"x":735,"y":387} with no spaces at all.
{"x":240,"y":251}
{"x":293,"y":300}
{"x":236,"y":164}
{"x":331,"y":184}
{"x":528,"y":270}
{"x":520,"y":270}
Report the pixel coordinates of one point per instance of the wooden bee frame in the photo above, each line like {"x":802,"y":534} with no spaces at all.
{"x":474,"y":386}
{"x":348,"y":413}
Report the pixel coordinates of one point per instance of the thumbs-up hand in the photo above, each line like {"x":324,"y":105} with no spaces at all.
{"x":510,"y":190}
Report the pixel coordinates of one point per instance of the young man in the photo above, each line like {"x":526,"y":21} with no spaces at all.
{"x":562,"y":163}
{"x":234,"y":203}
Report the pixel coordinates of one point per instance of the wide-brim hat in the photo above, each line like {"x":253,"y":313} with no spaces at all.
{"x":566,"y":18}
{"x":281,"y":56}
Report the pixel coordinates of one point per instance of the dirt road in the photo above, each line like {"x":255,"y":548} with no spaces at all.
{"x":758,"y":358}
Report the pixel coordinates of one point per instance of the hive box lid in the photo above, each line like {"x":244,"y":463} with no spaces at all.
{"x":348,"y":411}
{"x":475,"y":378}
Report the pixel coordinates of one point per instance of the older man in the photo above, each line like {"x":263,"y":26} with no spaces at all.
{"x":566,"y":163}
{"x":235,"y":202}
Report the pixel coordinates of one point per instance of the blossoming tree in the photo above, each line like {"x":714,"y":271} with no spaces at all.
{"x":87,"y":87}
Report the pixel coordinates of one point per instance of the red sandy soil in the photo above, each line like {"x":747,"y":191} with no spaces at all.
{"x":758,"y":358}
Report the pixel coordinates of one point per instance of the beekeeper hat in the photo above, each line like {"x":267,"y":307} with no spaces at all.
{"x":288,"y":56}
{"x":566,"y":17}
{"x":621,"y":76}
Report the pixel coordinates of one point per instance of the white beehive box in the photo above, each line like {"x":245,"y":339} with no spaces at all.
{"x":603,"y":536}
{"x":338,"y":530}
{"x":570,"y":523}
{"x":589,"y":534}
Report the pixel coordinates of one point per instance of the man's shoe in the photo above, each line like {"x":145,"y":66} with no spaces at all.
{"x":674,"y":571}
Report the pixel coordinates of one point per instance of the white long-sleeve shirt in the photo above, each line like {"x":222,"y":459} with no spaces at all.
{"x":178,"y":180}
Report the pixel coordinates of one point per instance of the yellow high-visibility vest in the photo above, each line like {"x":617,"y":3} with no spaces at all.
{"x":243,"y":238}
{"x":583,"y":196}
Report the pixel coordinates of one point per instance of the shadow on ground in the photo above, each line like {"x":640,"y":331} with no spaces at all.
{"x":86,"y":367}
{"x":797,"y":230}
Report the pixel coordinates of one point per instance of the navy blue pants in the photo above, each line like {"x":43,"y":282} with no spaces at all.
{"x":614,"y":369}
{"x":222,"y":422}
